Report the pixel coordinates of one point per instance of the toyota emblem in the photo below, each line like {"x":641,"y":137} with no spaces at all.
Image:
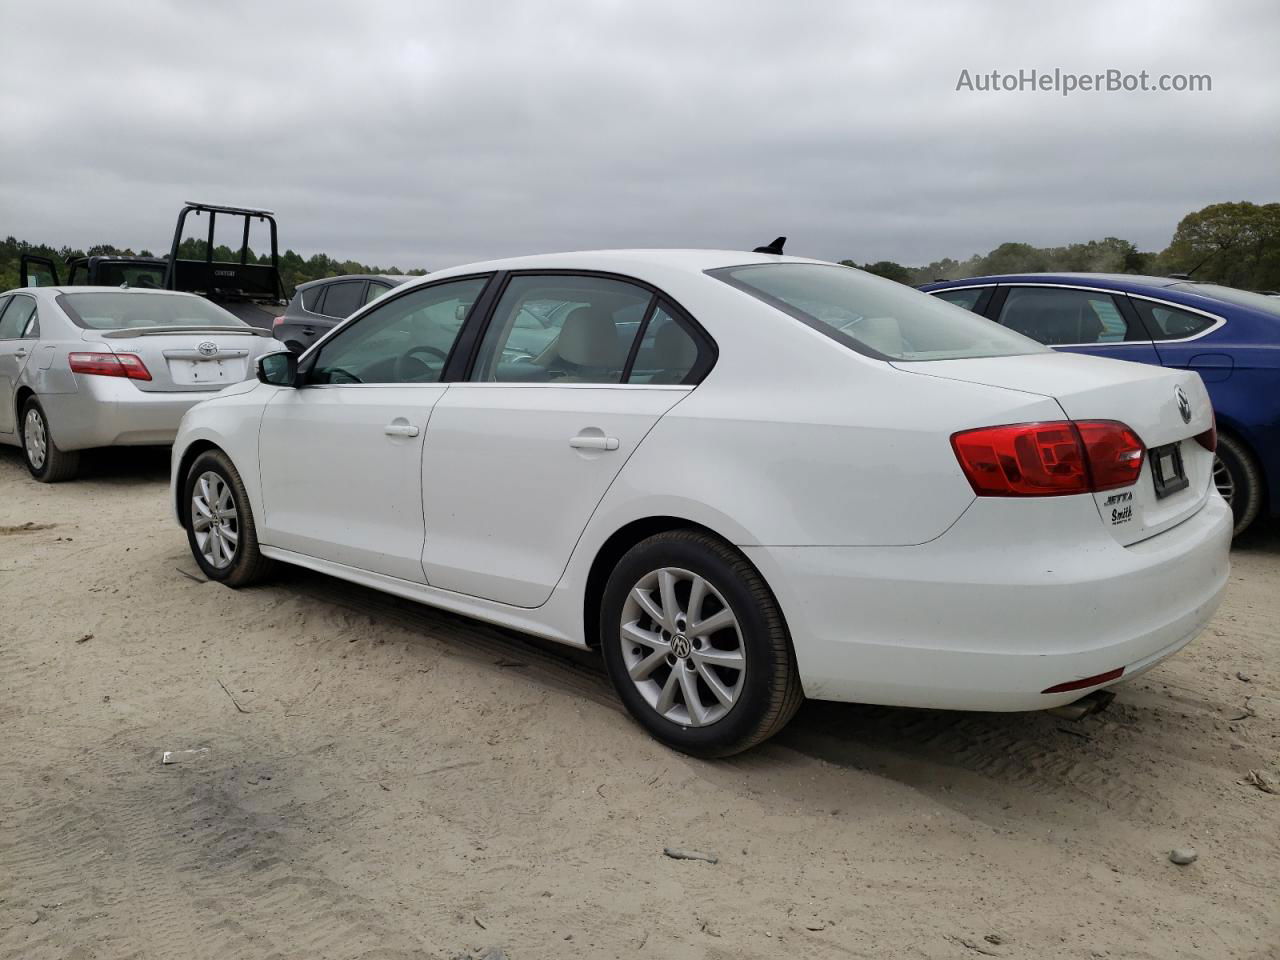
{"x":1184,"y":405}
{"x":208,"y":348}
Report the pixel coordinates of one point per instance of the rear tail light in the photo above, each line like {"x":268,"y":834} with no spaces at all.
{"x":1209,"y":439}
{"x":277,"y":321}
{"x":1049,"y":459}
{"x":110,"y":365}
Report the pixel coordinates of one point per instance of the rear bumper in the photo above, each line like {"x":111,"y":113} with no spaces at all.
{"x":997,"y":610}
{"x":111,"y":411}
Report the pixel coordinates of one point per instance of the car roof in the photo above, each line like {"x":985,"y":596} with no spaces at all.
{"x":1133,"y":279}
{"x":395,"y":278}
{"x":623,"y":261}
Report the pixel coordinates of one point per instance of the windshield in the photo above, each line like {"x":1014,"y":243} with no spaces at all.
{"x":124,"y":311}
{"x":1243,"y":298}
{"x":877,"y":317}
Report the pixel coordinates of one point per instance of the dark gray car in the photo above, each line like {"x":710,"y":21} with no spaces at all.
{"x":318,"y":306}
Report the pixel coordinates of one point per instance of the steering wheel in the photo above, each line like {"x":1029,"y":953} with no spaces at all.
{"x":410,"y":366}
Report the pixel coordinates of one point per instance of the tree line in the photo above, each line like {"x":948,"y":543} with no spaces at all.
{"x":1237,"y":244}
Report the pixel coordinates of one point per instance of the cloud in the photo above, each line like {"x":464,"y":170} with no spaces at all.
{"x":432,"y":134}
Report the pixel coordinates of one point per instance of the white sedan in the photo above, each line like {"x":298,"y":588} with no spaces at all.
{"x":746,"y":478}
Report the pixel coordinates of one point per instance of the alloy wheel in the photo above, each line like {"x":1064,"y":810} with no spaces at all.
{"x":214,"y":520}
{"x":682,"y":647}
{"x":1223,"y":480}
{"x":35,"y":438}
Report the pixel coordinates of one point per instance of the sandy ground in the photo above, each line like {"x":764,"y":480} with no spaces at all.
{"x":386,"y":781}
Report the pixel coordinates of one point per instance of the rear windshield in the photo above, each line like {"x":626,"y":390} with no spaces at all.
{"x":1243,"y":298}
{"x":124,"y":311}
{"x":874,"y":316}
{"x":147,"y":275}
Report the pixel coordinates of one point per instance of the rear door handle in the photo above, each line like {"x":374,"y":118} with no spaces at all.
{"x":400,"y":430}
{"x":594,"y":443}
{"x":20,"y":352}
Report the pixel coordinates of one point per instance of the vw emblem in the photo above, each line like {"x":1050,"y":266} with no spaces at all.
{"x":207,"y":348}
{"x":681,"y":646}
{"x":1184,"y":405}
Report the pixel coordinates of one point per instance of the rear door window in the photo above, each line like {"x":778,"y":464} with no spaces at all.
{"x":343,"y":299}
{"x":1059,"y":316}
{"x":562,"y":329}
{"x":18,"y":319}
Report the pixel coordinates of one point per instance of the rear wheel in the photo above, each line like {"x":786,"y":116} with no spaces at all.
{"x":219,"y":521}
{"x":46,"y":462}
{"x":1238,"y":479}
{"x":696,"y":646}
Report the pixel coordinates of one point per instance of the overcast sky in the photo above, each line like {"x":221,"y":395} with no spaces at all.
{"x":424,"y":134}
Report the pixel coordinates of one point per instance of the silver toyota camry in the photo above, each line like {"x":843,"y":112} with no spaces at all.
{"x":85,"y":367}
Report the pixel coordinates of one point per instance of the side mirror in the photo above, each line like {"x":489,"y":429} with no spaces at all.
{"x":279,"y":369}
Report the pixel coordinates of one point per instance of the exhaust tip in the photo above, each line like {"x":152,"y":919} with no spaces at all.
{"x":1087,"y":705}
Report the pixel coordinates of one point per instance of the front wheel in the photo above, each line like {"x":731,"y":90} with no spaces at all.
{"x":696,"y":646}
{"x":219,"y":521}
{"x":1238,"y":479}
{"x":44,"y":460}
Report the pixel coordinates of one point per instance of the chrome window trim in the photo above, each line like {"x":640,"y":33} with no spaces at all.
{"x":682,"y":387}
{"x":1218,"y":321}
{"x":967,"y":286}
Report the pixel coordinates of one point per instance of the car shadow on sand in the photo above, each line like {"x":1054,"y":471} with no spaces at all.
{"x":112,"y":465}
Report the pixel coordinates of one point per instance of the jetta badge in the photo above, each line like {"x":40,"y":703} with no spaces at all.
{"x":1184,"y":405}
{"x":208,"y":348}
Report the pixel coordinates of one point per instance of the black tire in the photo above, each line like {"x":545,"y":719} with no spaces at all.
{"x":1245,"y":481}
{"x":770,"y":690}
{"x":246,"y":565}
{"x":58,"y":465}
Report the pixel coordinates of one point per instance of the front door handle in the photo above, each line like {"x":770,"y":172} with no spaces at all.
{"x":594,"y":443}
{"x":400,"y":429}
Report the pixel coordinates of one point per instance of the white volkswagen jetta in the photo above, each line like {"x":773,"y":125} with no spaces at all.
{"x":747,"y":478}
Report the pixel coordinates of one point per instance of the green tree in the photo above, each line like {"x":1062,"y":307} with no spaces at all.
{"x":1237,"y":244}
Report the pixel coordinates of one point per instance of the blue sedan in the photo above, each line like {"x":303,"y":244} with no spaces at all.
{"x":1230,"y":337}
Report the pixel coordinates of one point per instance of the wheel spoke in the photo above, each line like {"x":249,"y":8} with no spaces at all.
{"x":645,"y":600}
{"x":643,"y":668}
{"x":228,"y":535}
{"x":689,"y":687}
{"x":720,"y":658}
{"x":633,"y":631}
{"x":709,"y":677}
{"x":200,"y":522}
{"x":667,"y":590}
{"x":717,"y":621}
{"x":697,"y":590}
{"x":667,"y":699}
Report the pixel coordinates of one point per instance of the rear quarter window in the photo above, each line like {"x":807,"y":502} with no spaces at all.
{"x":1167,"y":322}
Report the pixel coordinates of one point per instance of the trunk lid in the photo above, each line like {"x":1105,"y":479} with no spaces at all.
{"x":1146,"y":398}
{"x":187,"y":359}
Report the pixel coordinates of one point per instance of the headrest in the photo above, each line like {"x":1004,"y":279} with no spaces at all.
{"x":589,"y":338}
